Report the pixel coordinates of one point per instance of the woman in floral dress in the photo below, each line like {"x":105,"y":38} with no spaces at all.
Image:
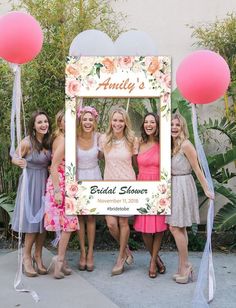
{"x":55,"y":218}
{"x":151,"y":226}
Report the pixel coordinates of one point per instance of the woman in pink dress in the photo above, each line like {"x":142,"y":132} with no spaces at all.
{"x":118,"y":146}
{"x":55,"y":218}
{"x":152,"y":227}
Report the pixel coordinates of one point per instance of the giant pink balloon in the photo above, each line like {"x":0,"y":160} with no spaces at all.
{"x":21,"y":37}
{"x":203,"y":77}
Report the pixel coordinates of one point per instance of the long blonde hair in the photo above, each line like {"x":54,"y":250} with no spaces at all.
{"x":128,"y":132}
{"x":59,"y":116}
{"x":184,"y":134}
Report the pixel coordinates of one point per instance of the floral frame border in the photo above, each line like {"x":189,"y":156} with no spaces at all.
{"x":147,"y":77}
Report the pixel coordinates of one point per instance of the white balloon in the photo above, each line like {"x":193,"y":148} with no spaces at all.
{"x":92,"y":43}
{"x":135,"y":43}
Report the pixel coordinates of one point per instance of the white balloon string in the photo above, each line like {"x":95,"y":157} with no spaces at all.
{"x":23,"y":113}
{"x":16,"y":105}
{"x":16,"y":129}
{"x":206,"y":270}
{"x":18,"y":283}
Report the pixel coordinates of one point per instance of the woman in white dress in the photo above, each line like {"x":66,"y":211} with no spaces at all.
{"x":87,"y":169}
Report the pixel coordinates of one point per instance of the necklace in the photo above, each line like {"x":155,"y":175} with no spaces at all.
{"x":117,"y":141}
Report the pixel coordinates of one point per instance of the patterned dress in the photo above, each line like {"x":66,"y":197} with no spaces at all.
{"x":55,"y":218}
{"x":149,"y":170}
{"x":184,"y":210}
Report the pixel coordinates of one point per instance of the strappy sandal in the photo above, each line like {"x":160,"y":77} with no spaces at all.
{"x":160,"y":265}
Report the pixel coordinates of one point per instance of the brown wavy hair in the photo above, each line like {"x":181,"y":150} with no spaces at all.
{"x":47,"y":138}
{"x":143,"y":133}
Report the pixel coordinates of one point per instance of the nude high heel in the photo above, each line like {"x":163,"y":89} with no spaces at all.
{"x":130,"y":259}
{"x":40,"y":270}
{"x":118,"y":269}
{"x":58,"y":264}
{"x":175,"y":276}
{"x":186,"y":278}
{"x":28,"y":269}
{"x":66,"y":270}
{"x":178,"y":274}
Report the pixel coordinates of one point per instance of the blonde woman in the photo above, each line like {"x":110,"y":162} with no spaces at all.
{"x":118,"y":146}
{"x":185,"y":210}
{"x":55,"y":218}
{"x":87,"y":169}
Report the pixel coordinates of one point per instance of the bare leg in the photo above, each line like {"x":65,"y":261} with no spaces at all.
{"x":180,"y":240}
{"x":81,"y":233}
{"x":186,"y":235}
{"x":27,"y":259}
{"x":124,"y":237}
{"x":156,"y":244}
{"x":64,"y":240}
{"x":148,"y":241}
{"x":59,"y":260}
{"x":112,"y":224}
{"x":39,"y":241}
{"x":29,"y":241}
{"x":91,"y":230}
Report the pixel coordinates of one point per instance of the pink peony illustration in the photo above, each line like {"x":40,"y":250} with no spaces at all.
{"x":72,"y":70}
{"x":72,"y":189}
{"x":72,"y":87}
{"x":126,"y":62}
{"x":109,"y":65}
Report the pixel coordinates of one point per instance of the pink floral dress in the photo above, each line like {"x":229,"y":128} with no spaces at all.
{"x":55,"y":218}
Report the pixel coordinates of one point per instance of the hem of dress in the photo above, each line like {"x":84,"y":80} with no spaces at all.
{"x":60,"y":230}
{"x":159,"y":231}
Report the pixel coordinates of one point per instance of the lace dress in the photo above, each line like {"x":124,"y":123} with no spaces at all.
{"x":185,"y":208}
{"x":118,"y":161}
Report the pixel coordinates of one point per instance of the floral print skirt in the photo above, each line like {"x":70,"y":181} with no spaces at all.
{"x":55,"y":218}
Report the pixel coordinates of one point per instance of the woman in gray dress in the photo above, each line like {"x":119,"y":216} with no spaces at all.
{"x":185,"y":210}
{"x":33,"y":156}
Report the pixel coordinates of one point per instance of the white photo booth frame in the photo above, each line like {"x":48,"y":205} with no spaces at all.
{"x":114,"y":76}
